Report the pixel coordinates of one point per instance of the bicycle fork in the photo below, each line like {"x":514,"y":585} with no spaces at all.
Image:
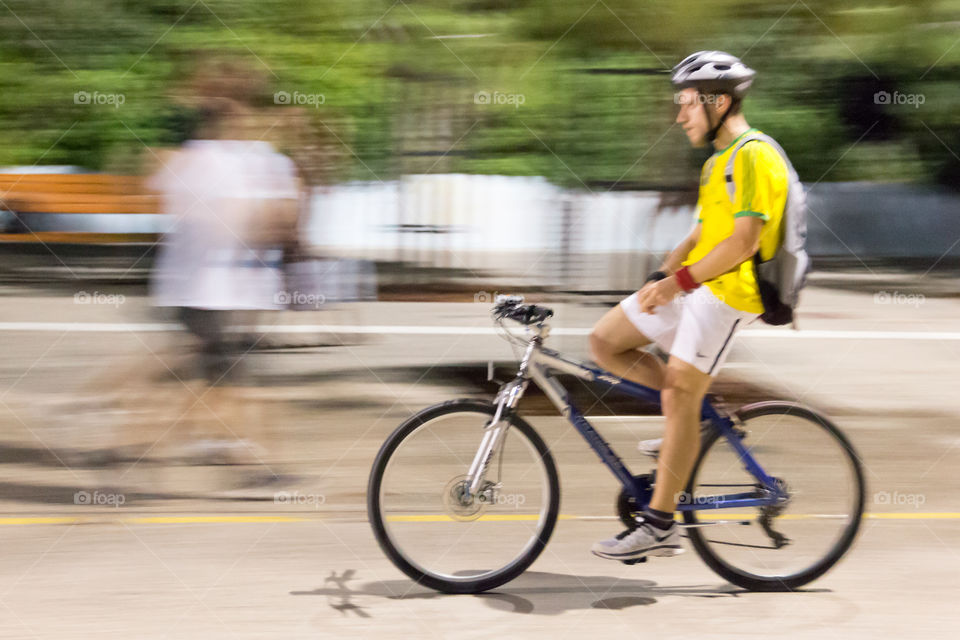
{"x":494,"y":432}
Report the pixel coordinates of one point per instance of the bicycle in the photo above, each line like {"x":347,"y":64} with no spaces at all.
{"x":447,"y":522}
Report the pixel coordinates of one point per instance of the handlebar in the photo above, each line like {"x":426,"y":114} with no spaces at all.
{"x":512,"y":308}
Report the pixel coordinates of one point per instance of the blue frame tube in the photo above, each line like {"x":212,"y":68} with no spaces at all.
{"x":546,"y":358}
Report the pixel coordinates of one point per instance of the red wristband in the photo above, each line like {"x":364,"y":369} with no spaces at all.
{"x":685,"y":280}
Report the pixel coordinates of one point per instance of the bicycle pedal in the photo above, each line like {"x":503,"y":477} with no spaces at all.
{"x":635,"y":560}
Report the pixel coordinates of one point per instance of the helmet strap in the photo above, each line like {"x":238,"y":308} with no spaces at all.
{"x":715,"y":129}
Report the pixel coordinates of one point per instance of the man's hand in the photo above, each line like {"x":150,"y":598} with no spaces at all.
{"x":657,"y":294}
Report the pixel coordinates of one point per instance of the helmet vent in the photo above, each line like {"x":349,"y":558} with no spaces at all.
{"x":714,"y":71}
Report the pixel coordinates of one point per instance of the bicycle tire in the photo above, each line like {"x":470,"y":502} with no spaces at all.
{"x":796,"y":580}
{"x":486,"y":581}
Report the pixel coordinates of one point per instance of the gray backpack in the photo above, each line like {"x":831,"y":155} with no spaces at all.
{"x":783,"y":275}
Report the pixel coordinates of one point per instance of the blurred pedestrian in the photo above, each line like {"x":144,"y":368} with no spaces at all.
{"x":233,"y":200}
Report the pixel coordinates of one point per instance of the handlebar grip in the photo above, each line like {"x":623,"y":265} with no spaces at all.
{"x":526,"y":314}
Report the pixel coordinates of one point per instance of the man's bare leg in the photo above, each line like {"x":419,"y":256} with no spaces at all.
{"x":682,"y":398}
{"x":615,"y":345}
{"x":657,"y":534}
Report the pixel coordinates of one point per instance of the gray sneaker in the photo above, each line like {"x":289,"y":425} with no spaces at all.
{"x":650,"y":447}
{"x":643,"y":541}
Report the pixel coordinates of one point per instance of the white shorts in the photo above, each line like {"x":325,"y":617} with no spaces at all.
{"x":696,"y":327}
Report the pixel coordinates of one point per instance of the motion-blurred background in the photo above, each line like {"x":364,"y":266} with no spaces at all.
{"x":369,"y":175}
{"x":398,"y":114}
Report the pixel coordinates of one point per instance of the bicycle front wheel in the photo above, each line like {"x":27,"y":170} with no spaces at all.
{"x":418,"y":514}
{"x":785,"y":546}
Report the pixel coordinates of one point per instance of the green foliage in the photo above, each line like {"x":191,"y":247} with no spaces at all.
{"x":584,"y":93}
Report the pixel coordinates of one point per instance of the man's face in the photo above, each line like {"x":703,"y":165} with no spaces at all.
{"x":693,"y":113}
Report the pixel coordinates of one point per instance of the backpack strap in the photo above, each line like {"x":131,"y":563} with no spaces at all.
{"x":732,"y":186}
{"x":728,"y":169}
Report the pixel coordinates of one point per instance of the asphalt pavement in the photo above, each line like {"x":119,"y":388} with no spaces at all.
{"x":151,"y":549}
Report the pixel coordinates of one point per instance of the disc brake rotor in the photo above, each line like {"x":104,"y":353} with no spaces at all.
{"x":459,"y":506}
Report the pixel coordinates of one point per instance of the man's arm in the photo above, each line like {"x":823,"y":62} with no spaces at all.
{"x":762,"y":175}
{"x":731,"y":252}
{"x":681,"y":251}
{"x":739,"y":246}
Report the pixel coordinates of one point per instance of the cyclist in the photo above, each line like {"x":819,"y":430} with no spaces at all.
{"x":704,"y":291}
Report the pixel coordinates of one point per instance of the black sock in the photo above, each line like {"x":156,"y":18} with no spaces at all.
{"x":659,"y":519}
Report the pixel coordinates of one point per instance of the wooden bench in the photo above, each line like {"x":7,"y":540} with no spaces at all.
{"x":79,"y":193}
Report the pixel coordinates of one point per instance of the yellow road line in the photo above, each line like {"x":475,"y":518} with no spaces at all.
{"x":490,"y":517}
{"x":913,"y":516}
{"x":107,"y":518}
{"x":110,"y":519}
{"x":804,"y":516}
{"x":704,"y":517}
{"x":210,"y":519}
{"x":41,"y":520}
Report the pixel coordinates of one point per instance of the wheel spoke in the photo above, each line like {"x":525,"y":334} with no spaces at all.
{"x":793,"y":541}
{"x":428,"y":522}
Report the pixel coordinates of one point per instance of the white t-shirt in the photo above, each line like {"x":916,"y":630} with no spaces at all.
{"x":209,"y":188}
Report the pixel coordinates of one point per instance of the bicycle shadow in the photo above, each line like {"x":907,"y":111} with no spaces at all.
{"x":534,"y":592}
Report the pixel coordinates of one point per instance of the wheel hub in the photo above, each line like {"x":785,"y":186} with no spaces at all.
{"x":460,"y":504}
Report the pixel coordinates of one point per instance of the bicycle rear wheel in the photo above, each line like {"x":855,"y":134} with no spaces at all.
{"x":418,"y":517}
{"x":822,"y":474}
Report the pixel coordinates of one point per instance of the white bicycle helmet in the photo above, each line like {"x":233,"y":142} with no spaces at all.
{"x":713,"y":72}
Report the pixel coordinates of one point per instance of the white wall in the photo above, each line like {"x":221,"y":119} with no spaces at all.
{"x":520,"y":227}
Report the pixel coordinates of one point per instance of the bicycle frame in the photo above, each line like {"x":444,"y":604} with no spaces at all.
{"x":541,"y":365}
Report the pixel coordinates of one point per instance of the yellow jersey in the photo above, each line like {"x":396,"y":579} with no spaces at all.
{"x":761,"y":179}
